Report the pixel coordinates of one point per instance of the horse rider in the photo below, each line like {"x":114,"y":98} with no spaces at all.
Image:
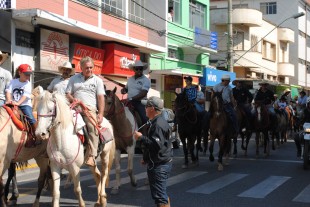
{"x":5,"y":78}
{"x":287,"y":96}
{"x":18,"y":93}
{"x":229,"y":101}
{"x":193,"y":95}
{"x":243,"y":98}
{"x":298,"y":138}
{"x":302,"y":99}
{"x":200,"y":99}
{"x":137,"y":88}
{"x":88,"y":88}
{"x":266,"y":97}
{"x":59,"y":84}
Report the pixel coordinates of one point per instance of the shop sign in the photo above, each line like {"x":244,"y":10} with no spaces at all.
{"x":211,"y":76}
{"x":54,"y":50}
{"x":96,"y":54}
{"x":118,"y":58}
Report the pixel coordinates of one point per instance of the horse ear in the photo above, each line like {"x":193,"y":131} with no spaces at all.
{"x":114,"y":90}
{"x":40,"y":88}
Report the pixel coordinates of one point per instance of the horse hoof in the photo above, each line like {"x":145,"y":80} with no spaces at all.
{"x":184,"y":166}
{"x":243,"y":148}
{"x":220,"y":167}
{"x":134,"y":183}
{"x":115,"y":191}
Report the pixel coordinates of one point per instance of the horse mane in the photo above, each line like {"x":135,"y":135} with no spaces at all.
{"x":63,"y":112}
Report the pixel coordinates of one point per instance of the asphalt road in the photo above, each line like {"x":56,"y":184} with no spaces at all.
{"x":278,"y":180}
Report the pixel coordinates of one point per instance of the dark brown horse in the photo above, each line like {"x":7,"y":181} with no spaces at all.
{"x":220,"y":128}
{"x":186,"y":118}
{"x":261,"y":125}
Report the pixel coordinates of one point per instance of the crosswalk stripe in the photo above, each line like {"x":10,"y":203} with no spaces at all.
{"x":217,"y":184}
{"x":303,"y":196}
{"x":178,"y":178}
{"x":265,"y":187}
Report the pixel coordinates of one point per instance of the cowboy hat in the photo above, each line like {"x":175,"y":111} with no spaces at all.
{"x":225,"y":77}
{"x":3,"y":57}
{"x":138,"y":63}
{"x":287,"y":90}
{"x":66,"y":65}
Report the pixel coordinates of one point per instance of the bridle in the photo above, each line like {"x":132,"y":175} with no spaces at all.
{"x":53,"y":115}
{"x":112,"y":108}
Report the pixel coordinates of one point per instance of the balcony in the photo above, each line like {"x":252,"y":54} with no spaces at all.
{"x":243,"y":16}
{"x":286,"y":69}
{"x":286,"y":34}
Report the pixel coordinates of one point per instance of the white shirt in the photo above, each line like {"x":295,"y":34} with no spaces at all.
{"x":18,"y":90}
{"x":86,"y":90}
{"x":5,"y":79}
{"x":59,"y":85}
{"x":135,"y":86}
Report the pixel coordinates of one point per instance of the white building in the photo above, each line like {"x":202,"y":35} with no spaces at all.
{"x":286,"y":63}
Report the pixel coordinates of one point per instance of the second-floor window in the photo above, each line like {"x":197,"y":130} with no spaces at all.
{"x":269,"y":50}
{"x":173,"y":53}
{"x":197,"y":15}
{"x":268,"y":7}
{"x":176,"y":6}
{"x":113,"y":6}
{"x":136,"y":12}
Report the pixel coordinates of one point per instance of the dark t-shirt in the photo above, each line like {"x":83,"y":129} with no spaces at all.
{"x":242,"y":95}
{"x":266,"y":97}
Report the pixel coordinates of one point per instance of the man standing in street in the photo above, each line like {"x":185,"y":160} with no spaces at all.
{"x":88,"y":88}
{"x":157,"y":143}
{"x":59,"y":84}
{"x":5,"y":78}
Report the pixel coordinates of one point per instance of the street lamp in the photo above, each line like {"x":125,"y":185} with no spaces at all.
{"x":295,"y":16}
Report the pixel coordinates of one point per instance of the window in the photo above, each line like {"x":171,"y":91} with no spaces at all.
{"x":136,"y":12}
{"x":238,"y":41}
{"x":176,"y":6}
{"x":173,"y":53}
{"x":269,"y":50}
{"x":254,"y":40}
{"x":196,"y":15}
{"x":268,"y":7}
{"x":90,"y":3}
{"x":113,"y":6}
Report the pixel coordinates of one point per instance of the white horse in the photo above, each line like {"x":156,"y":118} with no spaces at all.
{"x":124,"y":125}
{"x":65,"y":149}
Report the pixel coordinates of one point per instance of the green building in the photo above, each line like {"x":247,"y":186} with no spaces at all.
{"x":187,"y":53}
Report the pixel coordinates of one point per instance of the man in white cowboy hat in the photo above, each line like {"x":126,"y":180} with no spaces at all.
{"x":265,"y":96}
{"x":59,"y":84}
{"x":137,"y":88}
{"x":228,"y":99}
{"x":5,"y":78}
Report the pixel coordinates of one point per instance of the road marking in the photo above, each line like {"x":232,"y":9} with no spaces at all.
{"x":303,"y":196}
{"x":262,"y":189}
{"x":217,"y":184}
{"x":178,"y":178}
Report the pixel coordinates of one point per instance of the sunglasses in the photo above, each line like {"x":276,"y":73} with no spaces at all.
{"x":139,"y":68}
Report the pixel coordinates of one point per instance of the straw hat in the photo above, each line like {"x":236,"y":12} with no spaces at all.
{"x":66,"y":65}
{"x":225,"y":77}
{"x":287,"y":90}
{"x":3,"y":57}
{"x":138,"y":63}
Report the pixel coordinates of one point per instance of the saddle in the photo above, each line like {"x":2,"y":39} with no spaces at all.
{"x":22,"y":124}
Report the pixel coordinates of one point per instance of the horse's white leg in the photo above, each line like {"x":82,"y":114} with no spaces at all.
{"x":97,"y":175}
{"x":56,"y":180}
{"x":104,"y":174}
{"x":131,"y":152}
{"x":75,"y":175}
{"x":115,"y":189}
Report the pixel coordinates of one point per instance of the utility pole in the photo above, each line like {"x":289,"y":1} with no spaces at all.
{"x":230,"y":60}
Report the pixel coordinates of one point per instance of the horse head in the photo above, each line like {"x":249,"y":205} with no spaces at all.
{"x":53,"y":110}
{"x":217,"y":103}
{"x":113,"y":105}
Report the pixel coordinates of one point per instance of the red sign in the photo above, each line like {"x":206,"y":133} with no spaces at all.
{"x":118,"y":58}
{"x":96,"y":54}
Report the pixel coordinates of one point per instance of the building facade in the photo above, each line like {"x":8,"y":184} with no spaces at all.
{"x":291,"y":69}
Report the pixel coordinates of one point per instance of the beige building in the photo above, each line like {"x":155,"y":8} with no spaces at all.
{"x":256,"y":56}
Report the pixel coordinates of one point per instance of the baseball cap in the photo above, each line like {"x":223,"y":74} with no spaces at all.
{"x":25,"y":68}
{"x":154,"y":101}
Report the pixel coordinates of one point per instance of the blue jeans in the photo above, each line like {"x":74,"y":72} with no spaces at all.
{"x":140,"y":108}
{"x":158,"y":176}
{"x":27,"y":110}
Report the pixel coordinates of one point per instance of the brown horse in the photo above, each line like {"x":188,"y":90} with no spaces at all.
{"x":219,"y":128}
{"x":124,"y":125}
{"x":262,"y":125}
